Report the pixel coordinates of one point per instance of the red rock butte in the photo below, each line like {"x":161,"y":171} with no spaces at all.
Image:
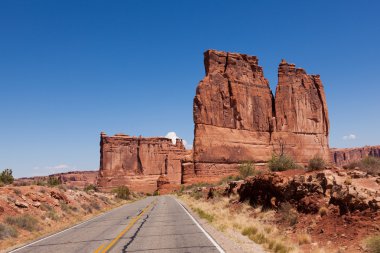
{"x":345,"y":156}
{"x":237,"y":118}
{"x":139,"y":162}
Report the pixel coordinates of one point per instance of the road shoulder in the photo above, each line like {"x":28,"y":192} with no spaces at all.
{"x":229,"y":240}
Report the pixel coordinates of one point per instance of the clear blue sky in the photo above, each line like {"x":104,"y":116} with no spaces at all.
{"x":71,"y":69}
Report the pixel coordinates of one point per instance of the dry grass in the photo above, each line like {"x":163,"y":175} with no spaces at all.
{"x":253,"y":223}
{"x":304,"y":239}
{"x":373,"y":244}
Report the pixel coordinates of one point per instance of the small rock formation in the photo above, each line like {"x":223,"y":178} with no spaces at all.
{"x":345,"y":156}
{"x":237,"y":119}
{"x":138,"y":162}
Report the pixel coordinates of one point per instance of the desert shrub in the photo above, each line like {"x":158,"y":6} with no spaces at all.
{"x":258,"y":238}
{"x":203,"y":215}
{"x":17,"y":192}
{"x":246,"y":169}
{"x":64,"y":206}
{"x":73,"y":208}
{"x":370,"y":164}
{"x":7,"y":231}
{"x":322,"y":211}
{"x":105,"y":199}
{"x":53,"y":181}
{"x":348,"y":181}
{"x":199,"y":185}
{"x":40,"y":183}
{"x":373,"y":244}
{"x":288,"y":214}
{"x":24,"y":221}
{"x":229,"y":178}
{"x":90,"y":187}
{"x":249,"y":231}
{"x":122,"y":192}
{"x":52,"y":215}
{"x":95,"y":205}
{"x":86,"y":208}
{"x":316,"y":163}
{"x":281,"y":163}
{"x":196,"y":194}
{"x":46,"y":207}
{"x":6,"y":176}
{"x":156,"y":193}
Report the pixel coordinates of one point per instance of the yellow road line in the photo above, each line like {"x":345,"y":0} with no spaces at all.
{"x":131,"y":223}
{"x":100,"y":248}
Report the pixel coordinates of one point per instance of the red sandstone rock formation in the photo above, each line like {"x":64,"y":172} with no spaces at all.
{"x":236,"y":118}
{"x":232,"y":114}
{"x":344,"y":156}
{"x":139,"y":162}
{"x":302,"y":123}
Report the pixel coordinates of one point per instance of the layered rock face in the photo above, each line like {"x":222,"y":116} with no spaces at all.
{"x":345,"y":156}
{"x":302,"y":123}
{"x":233,"y":111}
{"x":138,"y":162}
{"x":237,"y":119}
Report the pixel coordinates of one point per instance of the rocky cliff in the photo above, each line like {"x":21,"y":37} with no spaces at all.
{"x":139,"y":162}
{"x":344,"y":156}
{"x":237,"y":118}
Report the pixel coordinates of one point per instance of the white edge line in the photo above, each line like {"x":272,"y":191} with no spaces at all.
{"x":84,"y":222}
{"x":218,"y":247}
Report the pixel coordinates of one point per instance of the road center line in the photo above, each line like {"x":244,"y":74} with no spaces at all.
{"x":129,"y":226}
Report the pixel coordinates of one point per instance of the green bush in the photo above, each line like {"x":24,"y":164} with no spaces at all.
{"x":373,"y":244}
{"x":25,"y":221}
{"x":246,"y":169}
{"x":316,"y":163}
{"x":53,"y":181}
{"x":122,"y":192}
{"x":282,"y":163}
{"x":90,"y":187}
{"x":6,"y":176}
{"x":7,"y":231}
{"x":370,"y":164}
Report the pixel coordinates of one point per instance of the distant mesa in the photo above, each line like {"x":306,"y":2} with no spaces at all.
{"x":345,"y":156}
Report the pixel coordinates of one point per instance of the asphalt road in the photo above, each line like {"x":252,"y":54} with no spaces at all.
{"x":155,"y":224}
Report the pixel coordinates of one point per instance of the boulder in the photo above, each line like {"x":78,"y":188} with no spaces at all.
{"x":21,"y":204}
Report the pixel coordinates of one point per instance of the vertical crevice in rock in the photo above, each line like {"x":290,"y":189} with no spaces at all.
{"x":140,"y":169}
{"x":166,"y":164}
